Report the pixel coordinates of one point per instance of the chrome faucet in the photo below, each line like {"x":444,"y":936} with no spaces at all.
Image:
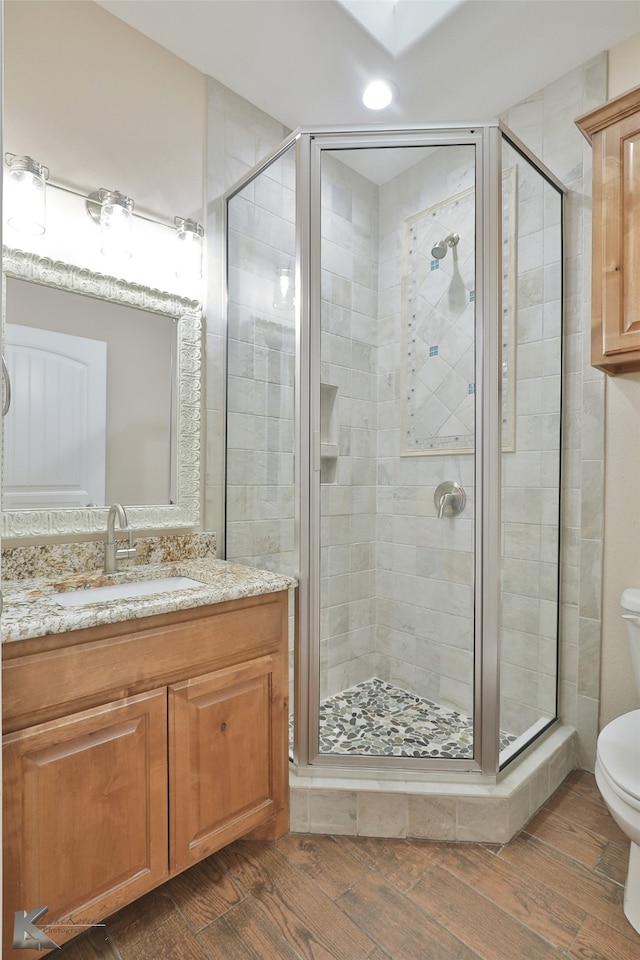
{"x":112,"y":552}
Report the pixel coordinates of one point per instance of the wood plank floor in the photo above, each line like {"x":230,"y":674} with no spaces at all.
{"x":555,"y":891}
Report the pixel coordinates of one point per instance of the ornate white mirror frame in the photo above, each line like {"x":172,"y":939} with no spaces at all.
{"x":185,"y":512}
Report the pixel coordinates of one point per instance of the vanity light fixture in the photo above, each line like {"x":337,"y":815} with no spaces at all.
{"x":114,"y":211}
{"x":25,"y":195}
{"x":190,"y":236}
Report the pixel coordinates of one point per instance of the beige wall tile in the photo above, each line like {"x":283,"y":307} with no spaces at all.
{"x":383,"y":815}
{"x":432,"y":818}
{"x":333,"y":811}
{"x":483,"y":820}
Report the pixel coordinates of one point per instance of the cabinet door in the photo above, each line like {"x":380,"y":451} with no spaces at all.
{"x":227,"y":757}
{"x":616,"y":245}
{"x":85,"y":814}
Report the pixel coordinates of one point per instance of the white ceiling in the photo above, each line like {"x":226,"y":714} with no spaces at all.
{"x":305,"y":62}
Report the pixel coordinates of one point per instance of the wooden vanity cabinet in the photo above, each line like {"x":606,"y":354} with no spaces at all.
{"x":614,"y":133}
{"x":136,"y":750}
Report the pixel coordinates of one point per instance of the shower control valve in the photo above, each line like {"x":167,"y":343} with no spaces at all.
{"x":449,"y":498}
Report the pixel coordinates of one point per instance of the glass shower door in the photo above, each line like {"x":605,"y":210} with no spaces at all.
{"x":397,"y":428}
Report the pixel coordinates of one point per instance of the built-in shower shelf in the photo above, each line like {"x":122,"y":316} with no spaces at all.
{"x":328,"y":451}
{"x":328,"y":421}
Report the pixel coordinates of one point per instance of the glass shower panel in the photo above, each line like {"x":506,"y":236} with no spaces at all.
{"x":260,"y":491}
{"x":531,"y":421}
{"x":397,"y":420}
{"x":260,"y":369}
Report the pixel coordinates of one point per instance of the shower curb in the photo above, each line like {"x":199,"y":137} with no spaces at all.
{"x":464,"y":810}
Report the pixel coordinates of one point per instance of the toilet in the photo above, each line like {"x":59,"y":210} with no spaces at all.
{"x":618,"y":766}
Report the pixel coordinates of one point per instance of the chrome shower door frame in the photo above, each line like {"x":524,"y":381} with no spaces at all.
{"x":484,"y":138}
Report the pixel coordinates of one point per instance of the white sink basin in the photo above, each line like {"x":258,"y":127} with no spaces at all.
{"x":124,"y":591}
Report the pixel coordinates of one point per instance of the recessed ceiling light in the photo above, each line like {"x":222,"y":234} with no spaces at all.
{"x":378,"y":94}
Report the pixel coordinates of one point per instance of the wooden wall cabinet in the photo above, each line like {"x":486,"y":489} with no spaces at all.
{"x":135,"y":750}
{"x":614,"y":132}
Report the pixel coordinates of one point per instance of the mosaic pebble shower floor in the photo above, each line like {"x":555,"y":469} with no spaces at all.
{"x":375,"y":718}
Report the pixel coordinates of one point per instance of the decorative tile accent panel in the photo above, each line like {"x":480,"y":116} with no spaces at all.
{"x":436,"y":412}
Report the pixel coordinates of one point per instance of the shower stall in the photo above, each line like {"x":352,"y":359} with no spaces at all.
{"x":393,"y":437}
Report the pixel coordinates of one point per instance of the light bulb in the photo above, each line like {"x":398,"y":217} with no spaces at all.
{"x":378,"y":94}
{"x":26,"y":194}
{"x":285,"y":293}
{"x":190,"y":236}
{"x":116,"y":215}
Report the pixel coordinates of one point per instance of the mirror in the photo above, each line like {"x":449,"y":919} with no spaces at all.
{"x":107,"y":391}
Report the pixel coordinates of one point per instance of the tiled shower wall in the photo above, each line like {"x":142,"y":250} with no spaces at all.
{"x":424,"y":580}
{"x":349,"y":325}
{"x":530,"y":468}
{"x":260,"y":372}
{"x":239,"y":135}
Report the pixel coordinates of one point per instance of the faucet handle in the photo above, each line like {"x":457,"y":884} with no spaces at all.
{"x":450,"y":499}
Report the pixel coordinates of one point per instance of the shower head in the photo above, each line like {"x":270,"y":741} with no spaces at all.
{"x":440,"y":249}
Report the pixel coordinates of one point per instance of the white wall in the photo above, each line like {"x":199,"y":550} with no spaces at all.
{"x":622,"y":485}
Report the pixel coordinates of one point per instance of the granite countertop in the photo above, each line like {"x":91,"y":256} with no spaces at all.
{"x":30,"y":608}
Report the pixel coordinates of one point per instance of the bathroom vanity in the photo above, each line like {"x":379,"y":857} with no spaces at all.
{"x":134,"y":748}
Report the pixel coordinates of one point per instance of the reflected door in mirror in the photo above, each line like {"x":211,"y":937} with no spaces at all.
{"x":55,"y":429}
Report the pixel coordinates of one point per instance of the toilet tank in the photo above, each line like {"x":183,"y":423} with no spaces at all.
{"x":630,"y":603}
